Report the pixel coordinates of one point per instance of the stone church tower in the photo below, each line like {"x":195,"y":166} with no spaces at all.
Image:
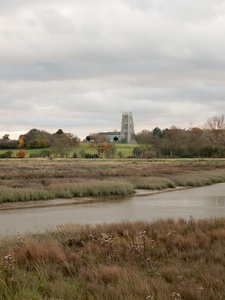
{"x":127,"y":127}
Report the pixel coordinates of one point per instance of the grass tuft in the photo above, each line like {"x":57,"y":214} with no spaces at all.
{"x":153,"y":183}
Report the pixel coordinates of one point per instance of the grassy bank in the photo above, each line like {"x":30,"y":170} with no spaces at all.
{"x":67,"y":190}
{"x":24,"y":180}
{"x":161,"y":261}
{"x":152,"y":183}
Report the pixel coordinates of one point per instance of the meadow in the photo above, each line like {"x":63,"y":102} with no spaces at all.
{"x":164,"y":260}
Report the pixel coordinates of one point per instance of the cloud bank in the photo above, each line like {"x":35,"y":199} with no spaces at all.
{"x":77,"y":65}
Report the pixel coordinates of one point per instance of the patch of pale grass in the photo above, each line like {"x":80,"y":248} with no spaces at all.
{"x":152,"y":183}
{"x":199,"y":179}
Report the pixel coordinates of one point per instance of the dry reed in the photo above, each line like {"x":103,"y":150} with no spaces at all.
{"x":166,"y":259}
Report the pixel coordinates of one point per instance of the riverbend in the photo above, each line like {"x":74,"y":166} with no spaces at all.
{"x":203,"y":202}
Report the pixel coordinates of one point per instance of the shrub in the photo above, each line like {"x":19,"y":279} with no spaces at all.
{"x":81,"y":153}
{"x":38,"y":139}
{"x":8,"y":144}
{"x":120,"y":154}
{"x":88,"y":155}
{"x":43,"y":153}
{"x":21,"y":154}
{"x":110,"y":152}
{"x":7,"y":154}
{"x":75,"y":155}
{"x":140,"y":152}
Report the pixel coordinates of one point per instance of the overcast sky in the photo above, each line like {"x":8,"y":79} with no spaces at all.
{"x":77,"y":64}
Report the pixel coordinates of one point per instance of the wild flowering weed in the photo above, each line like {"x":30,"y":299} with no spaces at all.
{"x":136,"y":249}
{"x":200,"y":289}
{"x":20,"y":241}
{"x":8,"y":264}
{"x":108,"y":241}
{"x":176,"y":296}
{"x":170,"y":239}
{"x":143,"y":236}
{"x":150,"y":297}
{"x":170,"y":235}
{"x":143,"y":251}
{"x":92,"y":237}
{"x":139,"y":248}
{"x":180,"y":277}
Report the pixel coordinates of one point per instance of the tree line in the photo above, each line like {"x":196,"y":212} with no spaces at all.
{"x":40,"y":139}
{"x":208,"y":141}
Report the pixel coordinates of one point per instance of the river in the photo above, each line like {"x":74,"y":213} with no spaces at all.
{"x":203,"y":202}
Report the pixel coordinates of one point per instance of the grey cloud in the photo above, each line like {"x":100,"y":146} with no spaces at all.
{"x":181,"y":9}
{"x":78,"y":64}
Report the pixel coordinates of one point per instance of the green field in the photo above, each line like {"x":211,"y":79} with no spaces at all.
{"x":122,"y":150}
{"x":28,"y":151}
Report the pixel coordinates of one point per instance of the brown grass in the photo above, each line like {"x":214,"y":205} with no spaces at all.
{"x":40,"y":171}
{"x":39,"y":251}
{"x":24,"y":180}
{"x":164,"y":260}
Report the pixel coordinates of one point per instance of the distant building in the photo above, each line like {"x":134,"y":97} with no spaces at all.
{"x":113,"y":136}
{"x":127,"y":127}
{"x":127,"y":130}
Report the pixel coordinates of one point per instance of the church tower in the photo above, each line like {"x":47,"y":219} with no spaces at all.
{"x":127,"y":127}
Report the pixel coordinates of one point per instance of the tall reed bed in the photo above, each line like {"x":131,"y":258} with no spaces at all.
{"x":163,"y":260}
{"x":79,"y":187}
{"x":152,"y":183}
{"x":67,"y":190}
{"x":199,"y":179}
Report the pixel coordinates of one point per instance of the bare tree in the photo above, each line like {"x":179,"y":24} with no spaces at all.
{"x":215,"y":123}
{"x":101,"y":143}
{"x":64,"y":144}
{"x":144,"y":137}
{"x":215,"y":134}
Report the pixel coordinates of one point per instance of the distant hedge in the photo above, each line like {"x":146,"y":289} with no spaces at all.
{"x":88,"y":155}
{"x":7,"y":154}
{"x":8,"y":144}
{"x":43,"y":153}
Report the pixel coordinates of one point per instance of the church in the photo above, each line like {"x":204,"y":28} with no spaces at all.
{"x":127,"y":130}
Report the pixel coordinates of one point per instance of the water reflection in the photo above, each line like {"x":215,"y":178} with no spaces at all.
{"x":218,"y":201}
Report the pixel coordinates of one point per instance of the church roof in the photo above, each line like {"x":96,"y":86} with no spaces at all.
{"x":110,"y":133}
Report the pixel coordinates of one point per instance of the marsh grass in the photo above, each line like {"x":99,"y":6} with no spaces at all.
{"x":152,"y":183}
{"x":67,"y":190}
{"x":24,"y":180}
{"x":163,"y":260}
{"x":199,"y":179}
